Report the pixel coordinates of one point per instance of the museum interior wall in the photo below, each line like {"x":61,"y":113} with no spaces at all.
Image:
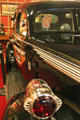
{"x":7,"y":8}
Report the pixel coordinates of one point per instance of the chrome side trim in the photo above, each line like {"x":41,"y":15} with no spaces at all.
{"x":70,"y":69}
{"x":19,"y":50}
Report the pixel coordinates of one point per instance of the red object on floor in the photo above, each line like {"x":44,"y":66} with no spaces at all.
{"x":2,"y":98}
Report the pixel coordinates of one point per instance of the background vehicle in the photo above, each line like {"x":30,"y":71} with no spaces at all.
{"x":46,"y":44}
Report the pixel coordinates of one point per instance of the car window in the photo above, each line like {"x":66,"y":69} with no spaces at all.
{"x":18,"y":22}
{"x":59,"y":31}
{"x":78,"y":20}
{"x":56,"y":21}
{"x":14,"y":23}
{"x":22,"y":24}
{"x":23,"y":27}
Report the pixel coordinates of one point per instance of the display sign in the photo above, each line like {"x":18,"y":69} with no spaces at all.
{"x":8,"y":8}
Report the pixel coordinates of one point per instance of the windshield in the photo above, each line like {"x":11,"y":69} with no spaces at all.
{"x":54,"y":21}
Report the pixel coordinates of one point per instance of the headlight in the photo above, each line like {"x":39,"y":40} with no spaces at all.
{"x":40,"y":101}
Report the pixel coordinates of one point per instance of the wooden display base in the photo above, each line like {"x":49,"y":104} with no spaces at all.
{"x":4,"y":37}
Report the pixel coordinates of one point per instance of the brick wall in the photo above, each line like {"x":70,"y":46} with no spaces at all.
{"x":6,"y":14}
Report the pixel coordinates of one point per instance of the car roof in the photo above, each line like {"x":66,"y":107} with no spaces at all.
{"x":41,"y":5}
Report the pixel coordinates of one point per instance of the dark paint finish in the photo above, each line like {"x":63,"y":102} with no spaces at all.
{"x":29,"y":48}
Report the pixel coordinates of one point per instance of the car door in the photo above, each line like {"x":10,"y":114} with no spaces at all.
{"x":21,"y":27}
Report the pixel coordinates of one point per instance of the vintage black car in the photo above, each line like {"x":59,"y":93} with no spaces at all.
{"x":45,"y":44}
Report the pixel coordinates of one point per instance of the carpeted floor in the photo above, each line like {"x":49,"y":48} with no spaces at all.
{"x":2,"y":98}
